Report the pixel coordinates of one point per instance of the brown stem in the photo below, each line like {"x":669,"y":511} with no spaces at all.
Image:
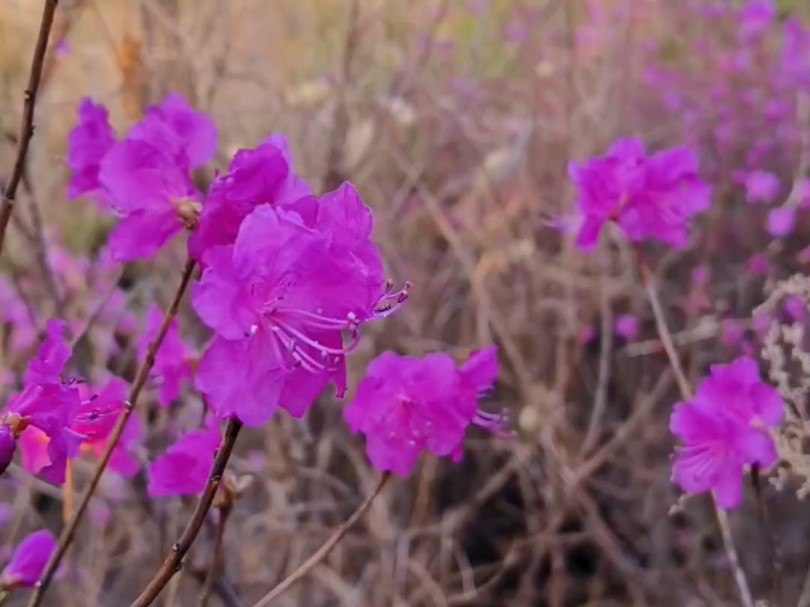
{"x":27,"y":124}
{"x":325,"y":549}
{"x":174,"y":561}
{"x":69,"y":531}
{"x":686,"y":393}
{"x":216,"y":555}
{"x":773,"y":541}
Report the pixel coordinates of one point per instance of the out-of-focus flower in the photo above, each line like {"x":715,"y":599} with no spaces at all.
{"x":627,"y":326}
{"x":724,"y":429}
{"x":795,"y":308}
{"x":755,"y":17}
{"x":261,"y":176}
{"x":406,"y":405}
{"x":95,"y":419}
{"x":184,"y":468}
{"x":279,"y":300}
{"x":174,"y":362}
{"x":28,"y":561}
{"x":731,"y":332}
{"x":649,"y":197}
{"x":761,"y":186}
{"x":781,"y":221}
{"x":758,"y":264}
{"x":45,"y":408}
{"x":88,"y":143}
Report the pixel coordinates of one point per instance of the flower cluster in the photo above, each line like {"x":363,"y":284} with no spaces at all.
{"x":724,"y":428}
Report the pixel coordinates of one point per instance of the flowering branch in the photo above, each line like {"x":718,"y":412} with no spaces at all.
{"x":686,"y":393}
{"x":66,"y":538}
{"x":179,"y":549}
{"x":325,"y":549}
{"x":27,"y":125}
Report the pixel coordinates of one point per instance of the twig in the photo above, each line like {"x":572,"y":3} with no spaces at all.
{"x":174,"y":561}
{"x":325,"y":549}
{"x":686,"y":393}
{"x":773,"y":541}
{"x":216,"y":555}
{"x":27,"y":125}
{"x":69,"y":531}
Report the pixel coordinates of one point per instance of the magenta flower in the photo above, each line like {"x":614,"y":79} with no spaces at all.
{"x":761,"y":186}
{"x":406,"y":405}
{"x":650,"y":197}
{"x":627,"y":326}
{"x":279,"y":300}
{"x":147,"y":177}
{"x":724,"y":429}
{"x":263,"y":175}
{"x":781,"y":221}
{"x":88,"y":143}
{"x":184,"y":468}
{"x":46,"y":407}
{"x":95,"y":419}
{"x":8,"y":445}
{"x":755,"y":17}
{"x":174,"y":363}
{"x":28,"y":561}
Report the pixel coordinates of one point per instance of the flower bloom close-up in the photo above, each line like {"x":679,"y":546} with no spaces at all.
{"x":406,"y":405}
{"x":28,"y":560}
{"x":183,"y":469}
{"x":648,"y":196}
{"x":724,"y":429}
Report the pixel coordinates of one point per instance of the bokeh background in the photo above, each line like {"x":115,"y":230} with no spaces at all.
{"x":456,"y":120}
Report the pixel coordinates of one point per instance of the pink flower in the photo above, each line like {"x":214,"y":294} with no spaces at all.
{"x":184,"y":468}
{"x":627,"y":326}
{"x":279,"y":300}
{"x":758,"y":264}
{"x":174,"y":363}
{"x":45,"y":408}
{"x":650,"y":197}
{"x":723,"y":429}
{"x":781,"y":221}
{"x":731,"y":332}
{"x":255,"y":177}
{"x":88,"y":143}
{"x":761,"y":186}
{"x":755,"y":17}
{"x":95,"y":419}
{"x":147,"y":177}
{"x":28,"y":561}
{"x":8,"y":445}
{"x":407,"y":405}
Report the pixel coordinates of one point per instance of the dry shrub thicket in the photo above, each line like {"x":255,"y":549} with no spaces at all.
{"x":456,"y":122}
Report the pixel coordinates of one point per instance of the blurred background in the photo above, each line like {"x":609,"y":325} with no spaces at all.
{"x":456,"y":120}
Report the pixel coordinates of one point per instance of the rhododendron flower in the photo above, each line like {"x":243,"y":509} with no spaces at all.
{"x":88,"y":143}
{"x":761,"y":186}
{"x":263,"y":175}
{"x":95,"y":419}
{"x":145,"y":178}
{"x":724,"y":429}
{"x":184,"y":468}
{"x":174,"y":362}
{"x":781,"y":221}
{"x":45,"y":407}
{"x":28,"y":561}
{"x":755,"y":17}
{"x":406,"y":405}
{"x":627,"y":326}
{"x":649,"y":197}
{"x":279,"y":300}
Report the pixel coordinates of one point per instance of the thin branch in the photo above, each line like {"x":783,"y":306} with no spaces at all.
{"x":773,"y":541}
{"x":27,"y":125}
{"x":664,"y":333}
{"x":216,"y":555}
{"x":324,"y":550}
{"x":174,"y":561}
{"x":69,"y":531}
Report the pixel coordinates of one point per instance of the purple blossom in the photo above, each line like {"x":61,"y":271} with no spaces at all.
{"x":279,"y":300}
{"x":184,"y":468}
{"x":650,"y":197}
{"x":8,"y":445}
{"x":88,"y":143}
{"x":761,"y":186}
{"x":259,"y":176}
{"x":755,"y":17}
{"x":723,"y":429}
{"x":28,"y":561}
{"x":146,"y":177}
{"x":406,"y":405}
{"x":174,"y":362}
{"x":781,"y":221}
{"x":627,"y":326}
{"x":45,"y":407}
